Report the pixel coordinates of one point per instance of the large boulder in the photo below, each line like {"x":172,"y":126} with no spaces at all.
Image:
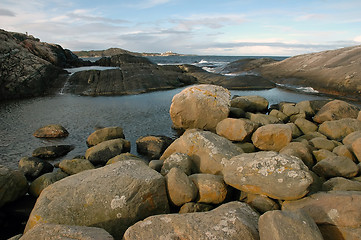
{"x":57,"y":231}
{"x":231,"y":221}
{"x":13,"y":185}
{"x":275,"y":175}
{"x":113,"y":197}
{"x":272,"y":137}
{"x":101,"y":153}
{"x":336,"y":110}
{"x":338,"y":129}
{"x":34,"y":167}
{"x":235,"y":129}
{"x":208,"y":151}
{"x":336,"y":213}
{"x":51,"y":131}
{"x":104,"y":134}
{"x":286,"y":225}
{"x":153,"y":146}
{"x":200,"y":106}
{"x":250,"y":103}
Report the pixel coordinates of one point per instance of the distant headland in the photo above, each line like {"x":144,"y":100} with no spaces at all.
{"x":116,"y":51}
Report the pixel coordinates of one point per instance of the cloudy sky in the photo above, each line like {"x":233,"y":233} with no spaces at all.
{"x":222,"y":27}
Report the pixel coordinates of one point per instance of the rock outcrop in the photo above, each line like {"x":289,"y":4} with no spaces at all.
{"x":334,"y":72}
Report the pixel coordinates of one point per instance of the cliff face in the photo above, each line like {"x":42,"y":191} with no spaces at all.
{"x":334,"y":72}
{"x":30,"y":68}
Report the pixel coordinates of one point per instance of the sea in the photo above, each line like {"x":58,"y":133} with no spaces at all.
{"x":139,"y":115}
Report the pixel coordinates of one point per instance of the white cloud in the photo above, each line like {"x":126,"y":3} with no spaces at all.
{"x":357,"y":39}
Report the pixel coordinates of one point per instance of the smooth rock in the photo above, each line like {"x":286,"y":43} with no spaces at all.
{"x":179,"y":160}
{"x":101,"y":153}
{"x":335,"y":213}
{"x":336,"y":110}
{"x":74,"y":166}
{"x":38,"y":185}
{"x":180,"y":188}
{"x":13,"y":185}
{"x":195,"y":207}
{"x":56,"y":231}
{"x":208,"y":151}
{"x":338,"y":129}
{"x":286,"y":225}
{"x":51,"y":131}
{"x":350,"y":138}
{"x":336,"y":167}
{"x":311,"y":135}
{"x":211,"y":188}
{"x":200,"y":106}
{"x":52,"y":151}
{"x":341,"y":184}
{"x":250,"y":103}
{"x":356,"y":148}
{"x":322,"y":143}
{"x":322,"y":154}
{"x":153,"y":146}
{"x":104,"y":134}
{"x":344,"y":151}
{"x":290,"y":109}
{"x":231,"y":221}
{"x":235,"y":129}
{"x":269,"y":173}
{"x":306,"y":126}
{"x":272,"y":137}
{"x":300,"y":150}
{"x":34,"y":167}
{"x":113,"y":197}
{"x":123,"y":157}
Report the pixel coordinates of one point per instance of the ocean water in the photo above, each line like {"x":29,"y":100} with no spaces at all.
{"x":139,"y":115}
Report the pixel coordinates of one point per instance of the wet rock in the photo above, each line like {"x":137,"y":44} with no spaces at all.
{"x":50,"y":152}
{"x":57,"y":231}
{"x":306,"y":126}
{"x":235,"y":129}
{"x":336,"y":167}
{"x":208,"y":151}
{"x":13,"y":185}
{"x":195,"y":207}
{"x":300,"y":150}
{"x":336,"y":110}
{"x":101,"y":153}
{"x":201,"y":106}
{"x":338,"y":129}
{"x":234,"y":220}
{"x":178,"y":160}
{"x":269,"y":173}
{"x":123,"y":157}
{"x":250,"y":103}
{"x":322,"y":143}
{"x":211,"y":188}
{"x":38,"y":185}
{"x":261,"y":203}
{"x":272,"y":137}
{"x":74,"y":166}
{"x":51,"y":131}
{"x":112,"y":197}
{"x":104,"y":134}
{"x":336,"y":213}
{"x":153,"y":146}
{"x":285,"y":225}
{"x":34,"y":167}
{"x":180,"y":188}
{"x":341,"y":184}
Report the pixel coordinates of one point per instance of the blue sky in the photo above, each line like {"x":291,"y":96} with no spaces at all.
{"x":223,"y":27}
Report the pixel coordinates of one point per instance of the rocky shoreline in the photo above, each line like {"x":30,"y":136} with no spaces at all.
{"x":241,"y":169}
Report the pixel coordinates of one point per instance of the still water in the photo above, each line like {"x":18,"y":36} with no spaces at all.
{"x":138,"y":115}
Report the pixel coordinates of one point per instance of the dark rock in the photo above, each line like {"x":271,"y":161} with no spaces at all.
{"x":336,"y":167}
{"x":33,"y":167}
{"x":253,"y":104}
{"x":195,"y":207}
{"x":153,"y":146}
{"x":249,"y":65}
{"x":51,"y":131}
{"x":50,"y":152}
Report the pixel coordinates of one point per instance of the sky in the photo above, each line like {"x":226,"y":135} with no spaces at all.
{"x":222,"y":27}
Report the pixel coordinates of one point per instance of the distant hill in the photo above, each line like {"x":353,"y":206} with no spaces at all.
{"x":116,"y":51}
